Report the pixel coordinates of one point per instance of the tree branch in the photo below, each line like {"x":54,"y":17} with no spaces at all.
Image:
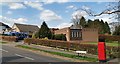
{"x":89,"y":12}
{"x":108,"y":12}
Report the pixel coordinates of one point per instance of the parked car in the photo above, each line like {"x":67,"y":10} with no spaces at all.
{"x":19,"y":35}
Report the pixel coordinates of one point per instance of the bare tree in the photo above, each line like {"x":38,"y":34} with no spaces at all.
{"x":113,"y":9}
{"x":75,"y":21}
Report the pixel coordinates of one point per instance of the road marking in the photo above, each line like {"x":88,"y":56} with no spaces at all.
{"x":3,"y":50}
{"x":24,"y":57}
{"x":18,"y":55}
{"x":29,"y":58}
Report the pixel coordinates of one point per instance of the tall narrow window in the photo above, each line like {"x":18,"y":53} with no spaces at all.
{"x":78,"y":34}
{"x":72,"y":34}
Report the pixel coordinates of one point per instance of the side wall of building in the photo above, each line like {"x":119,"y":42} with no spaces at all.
{"x":15,"y":28}
{"x":89,"y":34}
{"x":65,"y":31}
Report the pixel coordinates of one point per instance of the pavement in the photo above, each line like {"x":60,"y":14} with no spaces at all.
{"x":115,"y":60}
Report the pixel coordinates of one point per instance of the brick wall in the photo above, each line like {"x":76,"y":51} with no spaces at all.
{"x":65,"y":31}
{"x":89,"y":34}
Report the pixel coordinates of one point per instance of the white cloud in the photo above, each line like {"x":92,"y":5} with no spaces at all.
{"x":9,"y":12}
{"x":1,"y":16}
{"x":36,"y":5}
{"x":11,"y":21}
{"x":63,"y":25}
{"x":71,"y":7}
{"x":79,"y":14}
{"x":48,"y":1}
{"x":16,"y":5}
{"x":96,"y":0}
{"x":49,"y":15}
{"x":106,"y":18}
{"x":20,"y":20}
{"x":10,"y":0}
{"x":58,"y":1}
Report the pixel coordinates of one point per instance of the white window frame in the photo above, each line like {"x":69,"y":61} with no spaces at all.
{"x":80,"y":34}
{"x":77,"y":34}
{"x":72,"y":34}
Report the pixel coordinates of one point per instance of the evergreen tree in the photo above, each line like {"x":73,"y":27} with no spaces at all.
{"x":97,"y":24}
{"x":117,"y":31}
{"x":89,"y":23}
{"x":102,"y":27}
{"x":107,"y":28}
{"x":82,"y":21}
{"x":44,"y":31}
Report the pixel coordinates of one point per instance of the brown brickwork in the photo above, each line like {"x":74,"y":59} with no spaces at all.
{"x":89,"y":34}
{"x":85,"y":34}
{"x":65,"y":31}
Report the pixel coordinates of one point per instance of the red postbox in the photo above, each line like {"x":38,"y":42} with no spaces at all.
{"x":101,"y":50}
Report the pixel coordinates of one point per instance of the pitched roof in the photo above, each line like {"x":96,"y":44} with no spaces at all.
{"x":76,"y":27}
{"x":2,"y":24}
{"x":27,"y":28}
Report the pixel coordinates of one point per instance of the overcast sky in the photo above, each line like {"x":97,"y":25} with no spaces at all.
{"x":56,"y":14}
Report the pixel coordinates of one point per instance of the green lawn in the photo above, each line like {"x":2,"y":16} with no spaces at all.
{"x":1,"y":42}
{"x":60,"y":54}
{"x":114,"y":43}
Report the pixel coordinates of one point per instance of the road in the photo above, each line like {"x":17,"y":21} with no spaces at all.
{"x":12,"y":54}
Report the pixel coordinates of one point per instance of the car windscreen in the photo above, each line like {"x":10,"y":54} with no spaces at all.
{"x":18,"y":34}
{"x":13,"y":34}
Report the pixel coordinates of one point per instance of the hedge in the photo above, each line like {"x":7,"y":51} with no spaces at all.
{"x":59,"y":37}
{"x":9,"y":38}
{"x":90,"y":48}
{"x":109,"y":37}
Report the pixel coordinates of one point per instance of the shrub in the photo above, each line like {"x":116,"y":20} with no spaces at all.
{"x":112,"y":52}
{"x":60,"y":37}
{"x":111,"y":38}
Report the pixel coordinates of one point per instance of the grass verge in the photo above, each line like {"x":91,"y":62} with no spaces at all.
{"x":3,"y":42}
{"x":60,"y":54}
{"x":113,"y":43}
